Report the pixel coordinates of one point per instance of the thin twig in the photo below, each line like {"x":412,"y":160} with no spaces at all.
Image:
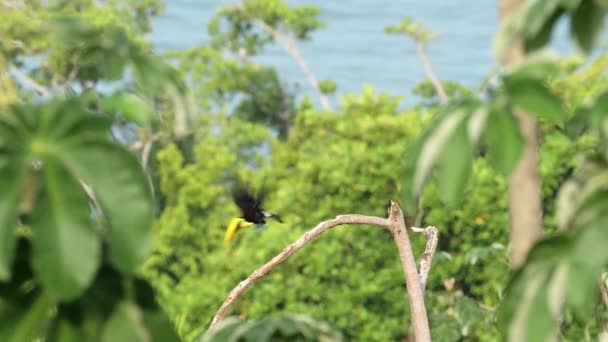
{"x":603,"y":291}
{"x":415,"y":292}
{"x":42,"y":90}
{"x":430,"y":73}
{"x":288,"y":251}
{"x":432,"y":237}
{"x":145,"y":153}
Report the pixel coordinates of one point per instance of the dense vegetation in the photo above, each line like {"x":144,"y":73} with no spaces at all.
{"x":99,"y":134}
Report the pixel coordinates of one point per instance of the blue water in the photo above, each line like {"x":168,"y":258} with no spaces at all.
{"x":354,"y":50}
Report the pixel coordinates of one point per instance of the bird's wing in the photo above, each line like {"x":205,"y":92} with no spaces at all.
{"x":246,"y":202}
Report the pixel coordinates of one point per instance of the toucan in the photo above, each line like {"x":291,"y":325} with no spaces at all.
{"x":252,"y":213}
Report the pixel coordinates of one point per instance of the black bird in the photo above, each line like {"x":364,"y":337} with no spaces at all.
{"x":252,"y":213}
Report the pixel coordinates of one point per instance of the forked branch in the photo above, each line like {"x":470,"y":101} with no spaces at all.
{"x":432,"y":238}
{"x":395,"y":224}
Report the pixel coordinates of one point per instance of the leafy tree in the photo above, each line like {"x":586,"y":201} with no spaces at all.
{"x":529,"y":311}
{"x":77,"y":207}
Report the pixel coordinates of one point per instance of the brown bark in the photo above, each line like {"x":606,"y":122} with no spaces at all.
{"x":525,"y":207}
{"x":413,"y":282}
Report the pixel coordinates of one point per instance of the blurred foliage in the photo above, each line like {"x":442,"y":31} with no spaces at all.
{"x":412,"y":28}
{"x":429,"y":95}
{"x":468,"y":275}
{"x":287,"y":328}
{"x":77,"y":207}
{"x":313,"y":281}
{"x":60,"y":128}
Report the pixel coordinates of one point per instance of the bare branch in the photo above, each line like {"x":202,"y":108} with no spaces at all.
{"x":430,"y":73}
{"x":145,"y":153}
{"x":23,"y":77}
{"x":415,"y":292}
{"x":603,"y":291}
{"x":394,"y":224}
{"x":432,"y":237}
{"x":288,"y":251}
{"x":290,"y":45}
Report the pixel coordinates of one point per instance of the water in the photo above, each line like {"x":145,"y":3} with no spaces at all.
{"x":354,"y":50}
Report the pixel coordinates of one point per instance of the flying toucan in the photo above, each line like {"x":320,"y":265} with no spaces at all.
{"x":252,"y":213}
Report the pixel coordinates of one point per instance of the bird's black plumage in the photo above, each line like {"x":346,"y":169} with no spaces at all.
{"x":251,"y":205}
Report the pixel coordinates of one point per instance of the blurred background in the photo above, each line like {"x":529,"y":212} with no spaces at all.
{"x":126,"y":124}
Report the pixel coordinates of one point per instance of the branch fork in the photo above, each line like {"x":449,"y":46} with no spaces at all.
{"x":395,"y":224}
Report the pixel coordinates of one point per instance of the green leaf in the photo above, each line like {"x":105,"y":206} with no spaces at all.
{"x":535,"y":98}
{"x":528,"y":282}
{"x":541,"y":38}
{"x":12,"y":176}
{"x":537,"y":15}
{"x":28,"y":323}
{"x":431,"y":148}
{"x":65,"y":331}
{"x":125,"y":324}
{"x":504,"y":141}
{"x":599,"y":111}
{"x":535,"y":315}
{"x":131,"y":106}
{"x":538,"y":69}
{"x":89,"y":127}
{"x":160,"y":327}
{"x":223,"y":331}
{"x":454,"y":165}
{"x":578,"y":123}
{"x":586,"y":25}
{"x":122,"y":190}
{"x":264,"y":329}
{"x":589,"y":256}
{"x":67,"y":249}
{"x":570,"y":5}
{"x":327,"y":86}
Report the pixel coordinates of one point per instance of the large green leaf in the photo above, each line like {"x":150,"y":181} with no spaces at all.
{"x":570,"y":5}
{"x":562,"y":269}
{"x":578,"y":123}
{"x":223,"y":331}
{"x":122,"y":190}
{"x":504,"y":141}
{"x":26,"y":323}
{"x":159,"y":326}
{"x":65,"y":331}
{"x":131,"y":106}
{"x":598,"y":113}
{"x":588,"y":258}
{"x":454,"y":165}
{"x":126,"y":324}
{"x":537,"y":15}
{"x":538,"y":68}
{"x":432,"y":146}
{"x":541,"y":38}
{"x":12,"y":176}
{"x":67,"y":248}
{"x":586,"y":25}
{"x":535,"y":292}
{"x":534,"y":97}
